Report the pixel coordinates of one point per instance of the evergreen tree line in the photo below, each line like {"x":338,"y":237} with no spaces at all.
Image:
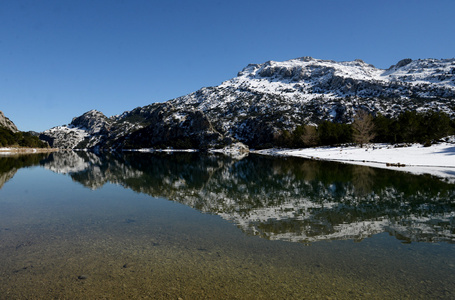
{"x":409,"y":127}
{"x":20,"y":139}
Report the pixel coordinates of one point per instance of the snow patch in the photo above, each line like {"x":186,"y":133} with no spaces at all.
{"x":437,"y":160}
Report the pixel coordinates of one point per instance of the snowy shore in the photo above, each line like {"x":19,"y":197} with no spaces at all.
{"x":437,"y":160}
{"x":10,"y":151}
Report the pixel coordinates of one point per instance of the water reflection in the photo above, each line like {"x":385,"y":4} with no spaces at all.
{"x":275,"y":198}
{"x":10,"y":164}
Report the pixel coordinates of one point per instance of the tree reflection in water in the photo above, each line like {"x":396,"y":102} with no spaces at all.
{"x":276,"y":198}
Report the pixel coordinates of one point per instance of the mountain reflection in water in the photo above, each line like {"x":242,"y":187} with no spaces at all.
{"x":287,"y":199}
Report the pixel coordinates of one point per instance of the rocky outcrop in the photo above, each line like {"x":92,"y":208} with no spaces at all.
{"x":64,"y":137}
{"x":7,"y":123}
{"x":93,"y":122}
{"x":79,"y":133}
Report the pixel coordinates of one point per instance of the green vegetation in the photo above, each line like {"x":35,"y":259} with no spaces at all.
{"x":414,"y":127}
{"x":20,"y":139}
{"x":409,"y":127}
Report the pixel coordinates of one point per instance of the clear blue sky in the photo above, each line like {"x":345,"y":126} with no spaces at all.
{"x":59,"y":59}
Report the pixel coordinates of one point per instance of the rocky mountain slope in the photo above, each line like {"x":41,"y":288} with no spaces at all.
{"x":7,"y":123}
{"x":265,"y":98}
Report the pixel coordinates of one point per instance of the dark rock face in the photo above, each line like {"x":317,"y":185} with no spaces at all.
{"x":403,"y":62}
{"x":195,"y":131}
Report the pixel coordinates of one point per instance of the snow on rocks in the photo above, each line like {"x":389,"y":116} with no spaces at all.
{"x":64,"y":137}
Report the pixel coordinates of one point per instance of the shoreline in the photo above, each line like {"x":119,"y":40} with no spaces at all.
{"x":19,"y":150}
{"x":437,"y":160}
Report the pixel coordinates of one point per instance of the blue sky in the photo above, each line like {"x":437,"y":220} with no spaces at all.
{"x":59,"y":59}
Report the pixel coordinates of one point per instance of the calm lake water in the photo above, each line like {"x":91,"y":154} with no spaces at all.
{"x":166,"y":226}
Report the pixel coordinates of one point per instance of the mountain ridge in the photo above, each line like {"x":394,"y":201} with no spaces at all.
{"x":266,"y":98}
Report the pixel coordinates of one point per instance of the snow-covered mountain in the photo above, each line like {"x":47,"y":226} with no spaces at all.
{"x":265,"y":98}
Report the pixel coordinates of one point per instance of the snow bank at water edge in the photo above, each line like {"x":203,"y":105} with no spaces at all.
{"x":11,"y":151}
{"x":437,"y":160}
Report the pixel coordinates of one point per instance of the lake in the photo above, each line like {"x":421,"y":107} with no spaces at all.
{"x":191,"y":225}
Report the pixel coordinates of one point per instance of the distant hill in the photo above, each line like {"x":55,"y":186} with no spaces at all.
{"x":10,"y":136}
{"x":266,"y":99}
